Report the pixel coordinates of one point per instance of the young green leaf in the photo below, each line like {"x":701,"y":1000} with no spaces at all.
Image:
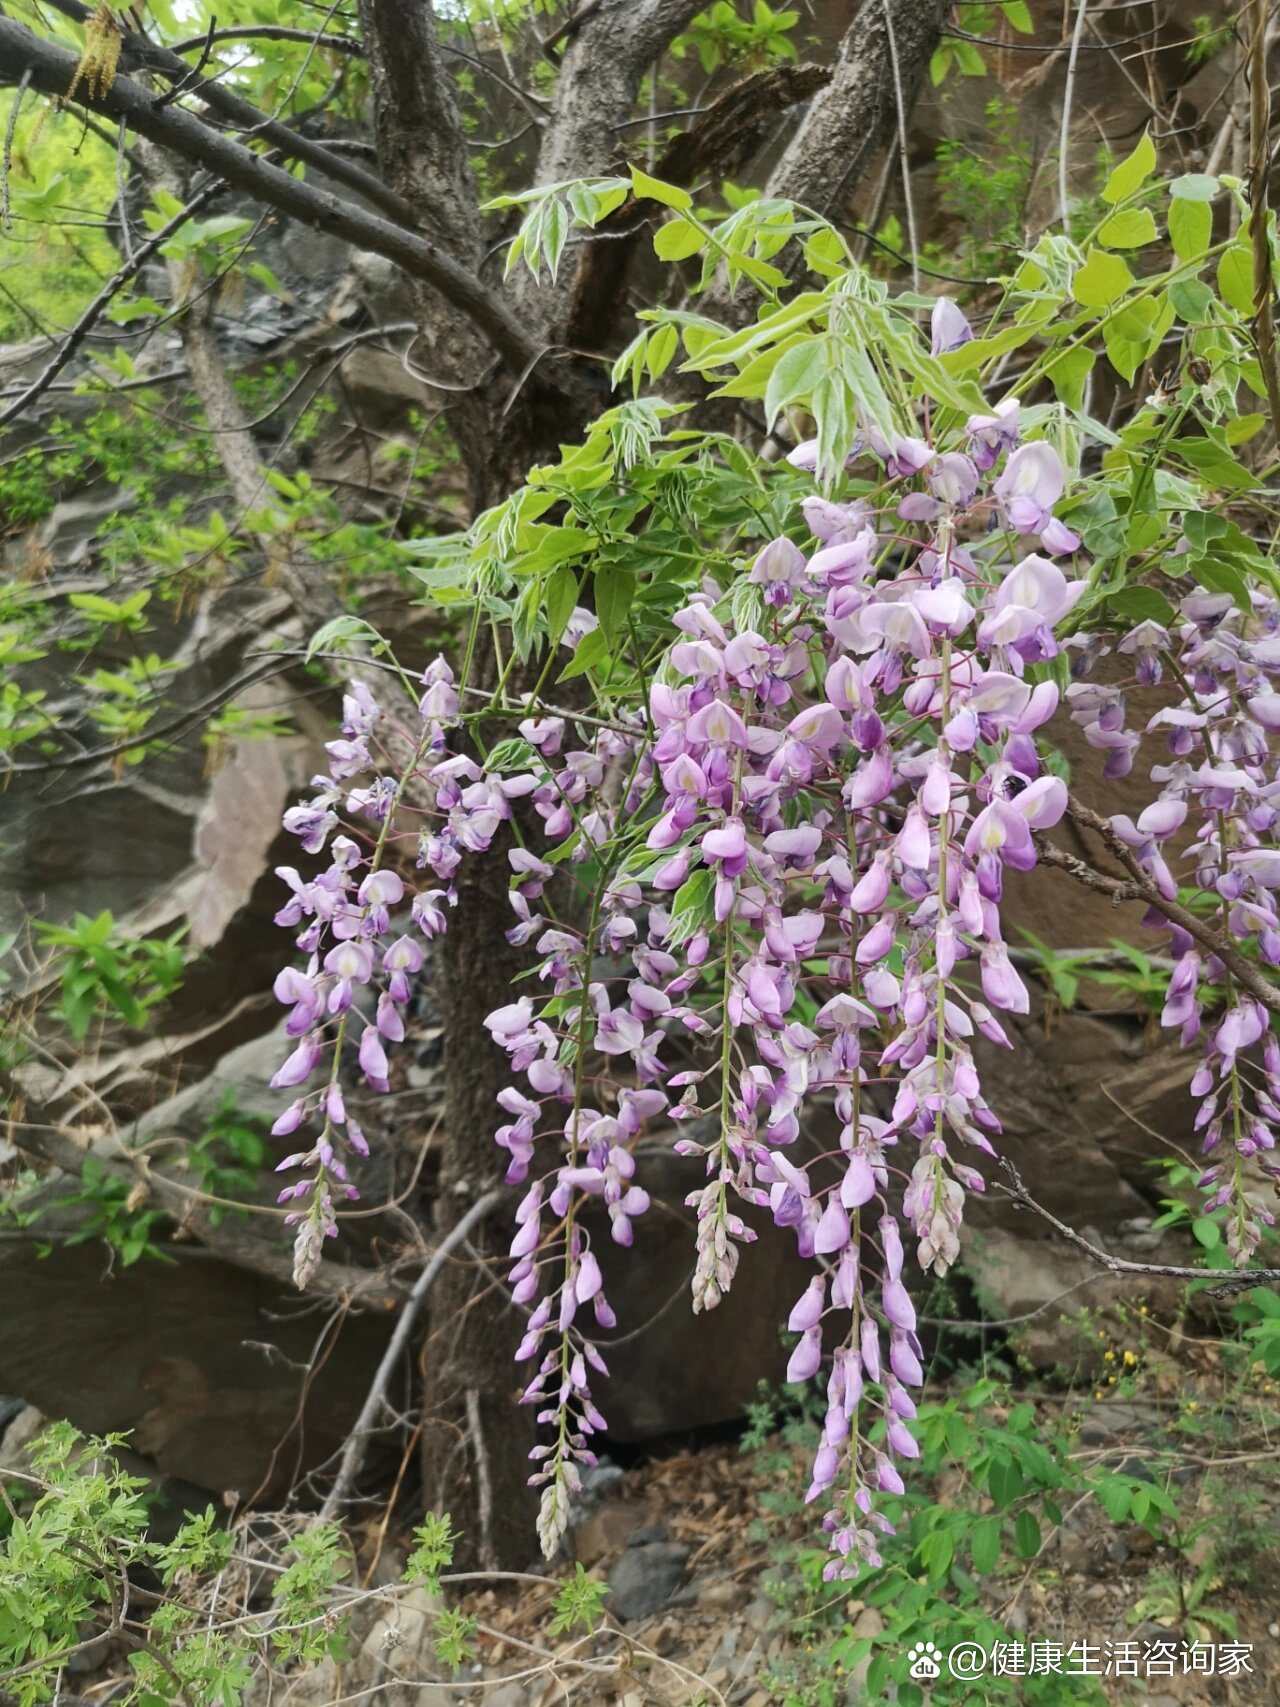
{"x":1130,"y":175}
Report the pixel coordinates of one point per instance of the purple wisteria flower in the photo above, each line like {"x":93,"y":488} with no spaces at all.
{"x":796,"y":847}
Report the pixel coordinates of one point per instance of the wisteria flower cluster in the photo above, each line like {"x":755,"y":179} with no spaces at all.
{"x":798,"y":844}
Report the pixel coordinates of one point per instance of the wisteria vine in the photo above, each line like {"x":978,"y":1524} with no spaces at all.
{"x":796,"y":845}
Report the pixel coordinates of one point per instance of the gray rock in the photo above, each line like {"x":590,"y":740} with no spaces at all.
{"x":1106,"y":1421}
{"x":245,"y":1071}
{"x":1135,"y":1467}
{"x":1151,"y":1631}
{"x":648,"y":1535}
{"x":761,"y":1610}
{"x":20,"y":1430}
{"x":208,"y":1366}
{"x":507,"y":1695}
{"x":645,"y":1578}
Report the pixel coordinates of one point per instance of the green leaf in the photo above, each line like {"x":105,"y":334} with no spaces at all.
{"x":1004,"y":1480}
{"x":936,"y":1553}
{"x":984,"y":1545}
{"x":661,"y":347}
{"x":1140,"y":604}
{"x":1235,"y":278}
{"x":969,"y":58}
{"x":1026,"y":1535}
{"x":614,"y":590}
{"x":1194,"y":187}
{"x":591,"y":650}
{"x":677,"y":240}
{"x":560,"y":593}
{"x":654,"y":190}
{"x":1128,"y":229}
{"x":555,"y":234}
{"x":1115,"y":1497}
{"x":550,"y":546}
{"x":1126,"y":355}
{"x":332,"y":636}
{"x":691,"y":907}
{"x":1068,"y":374}
{"x":1190,"y":228}
{"x":826,"y":253}
{"x":795,"y":375}
{"x":1019,"y":15}
{"x":1101,"y":281}
{"x":1192,"y":299}
{"x":1220,"y":577}
{"x":1131,"y":174}
{"x":1212,"y":458}
{"x":1243,"y":428}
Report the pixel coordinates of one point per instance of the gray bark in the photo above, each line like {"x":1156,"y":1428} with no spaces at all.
{"x":854,"y":117}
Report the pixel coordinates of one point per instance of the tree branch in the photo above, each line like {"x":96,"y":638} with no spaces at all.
{"x":1226,"y":1283}
{"x":270,"y":32}
{"x":1138,"y":886}
{"x":854,"y":117}
{"x":52,"y":69}
{"x":422,"y":149}
{"x":357,"y":1446}
{"x":138,"y":53}
{"x":226,"y":1240}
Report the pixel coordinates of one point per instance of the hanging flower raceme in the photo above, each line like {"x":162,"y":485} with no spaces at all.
{"x":1219,"y":793}
{"x":776,"y":882}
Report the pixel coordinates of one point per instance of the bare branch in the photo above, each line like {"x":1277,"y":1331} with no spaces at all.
{"x":272,"y":32}
{"x":1225,"y":1284}
{"x":357,"y":1446}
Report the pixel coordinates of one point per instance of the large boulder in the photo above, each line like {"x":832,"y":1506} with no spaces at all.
{"x":223,"y":1378}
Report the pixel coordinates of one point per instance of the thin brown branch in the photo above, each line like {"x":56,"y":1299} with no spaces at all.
{"x":357,"y":1445}
{"x":271,"y":32}
{"x":1224,"y":1283}
{"x":1141,"y":887}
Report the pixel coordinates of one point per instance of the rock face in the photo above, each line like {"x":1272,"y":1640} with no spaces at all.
{"x":647,"y":1575}
{"x":672,"y":1370}
{"x":226,"y":1380}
